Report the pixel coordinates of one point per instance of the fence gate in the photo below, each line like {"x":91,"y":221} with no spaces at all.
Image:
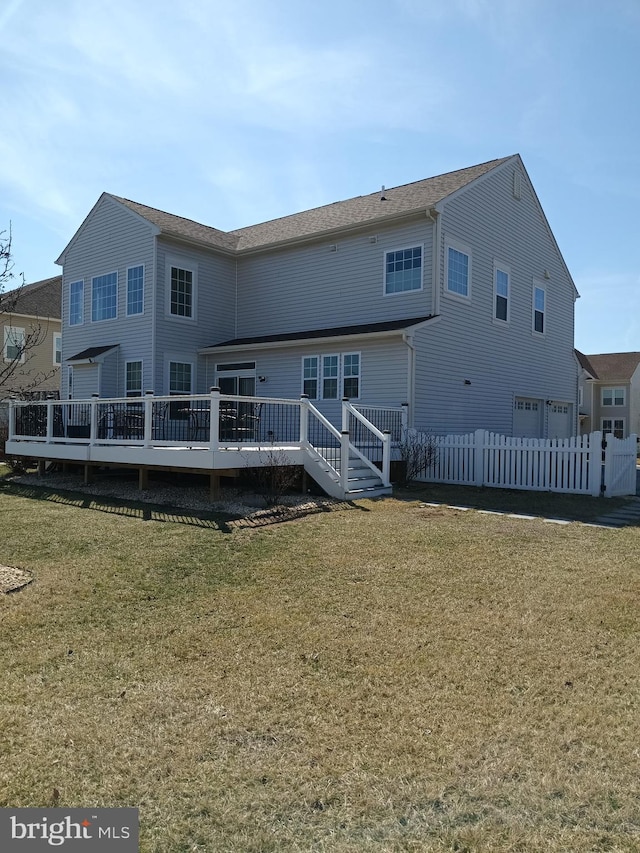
{"x":620,"y":466}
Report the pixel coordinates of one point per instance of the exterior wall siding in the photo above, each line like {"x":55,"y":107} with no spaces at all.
{"x":178,"y":338}
{"x":111,"y":240}
{"x":498,"y":361}
{"x":39,"y":360}
{"x":313,"y":287}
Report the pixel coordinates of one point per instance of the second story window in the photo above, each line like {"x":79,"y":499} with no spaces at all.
{"x":135,"y":290}
{"x":501,"y":294}
{"x":539,"y":309}
{"x":76,"y":303}
{"x":57,"y":348}
{"x":613,"y":396}
{"x":181,"y":292}
{"x":457,"y":269}
{"x":104,"y":297}
{"x":403,"y":270}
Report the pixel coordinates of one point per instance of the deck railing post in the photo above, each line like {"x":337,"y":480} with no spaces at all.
{"x":12,"y":419}
{"x":214,"y":418}
{"x":148,"y":418}
{"x":386,"y":457}
{"x":93,"y":419}
{"x":345,"y":415}
{"x":344,"y":460}
{"x":304,"y":418}
{"x":405,"y":418}
{"x":49,"y":421}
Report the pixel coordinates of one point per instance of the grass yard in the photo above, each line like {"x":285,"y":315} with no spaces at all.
{"x":383,"y":677}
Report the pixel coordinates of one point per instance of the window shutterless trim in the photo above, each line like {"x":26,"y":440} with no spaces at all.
{"x":57,"y":339}
{"x":175,"y":262}
{"x":133,"y":392}
{"x":385,"y":284}
{"x":94,"y":278}
{"x":14,"y":336}
{"x":501,"y":302}
{"x":612,"y":391}
{"x":538,"y":316}
{"x":451,"y":243}
{"x":141,"y":311}
{"x":79,"y":290}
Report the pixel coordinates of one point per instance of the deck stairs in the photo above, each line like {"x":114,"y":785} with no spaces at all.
{"x":363,"y":478}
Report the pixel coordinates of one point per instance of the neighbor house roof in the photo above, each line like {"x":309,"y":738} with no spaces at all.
{"x":40,"y":299}
{"x":332,"y":332}
{"x":614,"y":366}
{"x":352,"y":213}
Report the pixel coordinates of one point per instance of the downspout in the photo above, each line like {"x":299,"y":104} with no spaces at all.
{"x":434,"y":216}
{"x":407,"y":337}
{"x":154,"y":320}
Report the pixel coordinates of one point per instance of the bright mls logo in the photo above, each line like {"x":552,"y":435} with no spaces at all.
{"x":86,"y":830}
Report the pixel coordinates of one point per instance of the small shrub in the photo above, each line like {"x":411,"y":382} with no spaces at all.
{"x":418,"y":452}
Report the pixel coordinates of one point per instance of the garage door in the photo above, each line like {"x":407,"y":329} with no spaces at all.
{"x":560,"y":419}
{"x":527,"y":417}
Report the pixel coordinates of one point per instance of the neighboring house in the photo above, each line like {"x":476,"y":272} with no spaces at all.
{"x":30,"y":330}
{"x":609,"y":393}
{"x":449,"y":294}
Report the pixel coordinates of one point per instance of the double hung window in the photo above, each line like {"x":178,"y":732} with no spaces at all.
{"x":501,"y":287}
{"x":181,"y":292}
{"x":76,"y":303}
{"x":458,"y":269}
{"x":613,"y":396}
{"x":613,"y":426}
{"x":330,"y":377}
{"x":133,"y":379}
{"x":135,"y":290}
{"x":57,"y":348}
{"x":14,"y":344}
{"x":104,"y":297}
{"x":539,"y":309}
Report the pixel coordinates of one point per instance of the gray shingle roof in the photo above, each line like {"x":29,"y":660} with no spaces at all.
{"x":91,"y":352}
{"x":352,"y":213}
{"x":333,"y":332}
{"x":614,"y":366}
{"x":39,"y":299}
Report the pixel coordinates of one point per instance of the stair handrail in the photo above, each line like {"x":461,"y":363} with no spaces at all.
{"x":383,"y":435}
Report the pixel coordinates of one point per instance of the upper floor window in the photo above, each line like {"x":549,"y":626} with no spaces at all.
{"x":104,"y":297}
{"x":501,"y":287}
{"x":135,"y":290}
{"x":14,"y":344}
{"x":403,"y":270}
{"x":613,"y":396}
{"x":133,"y":379}
{"x":57,"y":348}
{"x":76,"y":303}
{"x":181,"y":292}
{"x":458,"y":269}
{"x":539,"y":309}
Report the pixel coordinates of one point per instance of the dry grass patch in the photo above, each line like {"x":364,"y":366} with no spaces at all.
{"x":381,"y":678}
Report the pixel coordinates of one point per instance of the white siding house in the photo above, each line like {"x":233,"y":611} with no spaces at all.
{"x":449,"y":294}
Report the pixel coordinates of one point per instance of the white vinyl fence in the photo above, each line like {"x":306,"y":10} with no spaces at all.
{"x":573,"y":465}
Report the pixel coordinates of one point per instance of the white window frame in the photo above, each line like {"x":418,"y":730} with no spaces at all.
{"x":316,"y":378}
{"x":538,"y":285}
{"x":81,"y":291}
{"x":506,"y":269}
{"x":388,"y":252}
{"x":358,"y":376}
{"x":612,"y":390}
{"x":93,"y":284}
{"x":612,"y":430}
{"x":191,"y":366}
{"x":57,"y":348}
{"x":180,"y":263}
{"x":141,"y":311}
{"x":134,"y":392}
{"x":14,"y":336}
{"x":463,"y":249}
{"x":324,"y":356}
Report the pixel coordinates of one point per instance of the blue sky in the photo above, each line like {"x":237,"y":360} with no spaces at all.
{"x":232,"y":114}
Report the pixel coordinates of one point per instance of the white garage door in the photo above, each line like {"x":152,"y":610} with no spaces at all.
{"x":527,"y":417}
{"x":560,"y":419}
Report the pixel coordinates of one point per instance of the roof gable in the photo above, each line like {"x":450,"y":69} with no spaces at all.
{"x":614,"y":366}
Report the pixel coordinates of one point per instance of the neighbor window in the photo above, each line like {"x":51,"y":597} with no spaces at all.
{"x":539,"y":309}
{"x":181,"y":292}
{"x":310,"y":376}
{"x":57,"y":348}
{"x":14,"y":344}
{"x":135,"y":290}
{"x":458,"y":269}
{"x":501,"y":293}
{"x":76,"y":303}
{"x":133,"y":379}
{"x":613,"y":396}
{"x":613,"y":426}
{"x":104,"y":297}
{"x":403,"y":270}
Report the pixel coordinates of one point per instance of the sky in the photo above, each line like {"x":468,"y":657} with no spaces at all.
{"x":236,"y":113}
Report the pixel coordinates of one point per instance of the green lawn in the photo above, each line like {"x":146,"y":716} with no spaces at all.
{"x":382,"y":677}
